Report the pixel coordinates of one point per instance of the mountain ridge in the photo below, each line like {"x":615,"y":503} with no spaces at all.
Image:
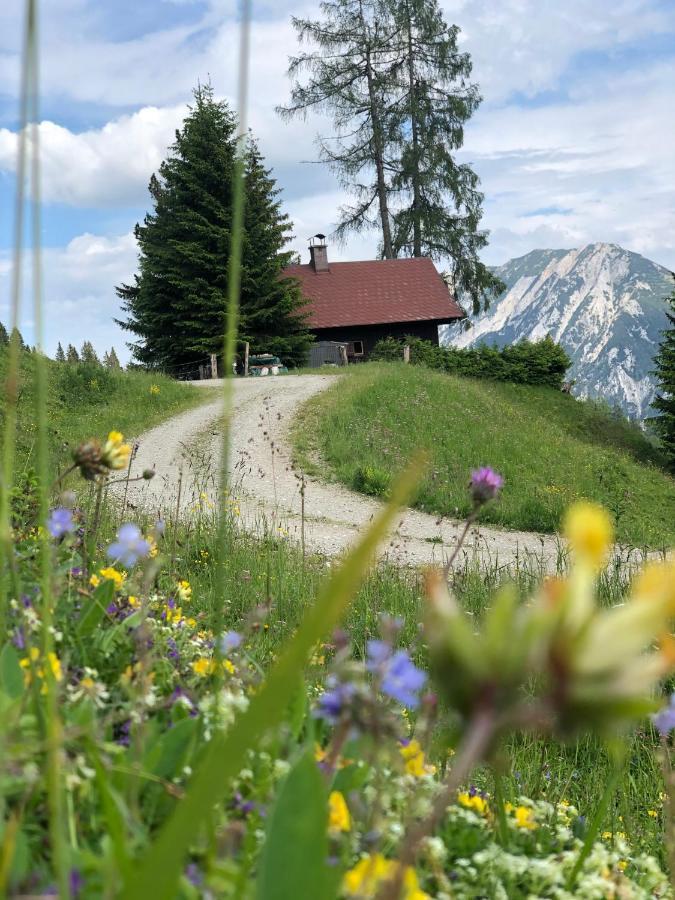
{"x":604,"y":304}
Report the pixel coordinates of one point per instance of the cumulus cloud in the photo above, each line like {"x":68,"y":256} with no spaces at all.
{"x":109,"y":166}
{"x":79,"y":291}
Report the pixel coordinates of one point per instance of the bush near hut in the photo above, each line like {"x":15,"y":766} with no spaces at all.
{"x":526,"y":362}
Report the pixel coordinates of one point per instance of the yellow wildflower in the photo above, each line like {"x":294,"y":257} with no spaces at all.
{"x":94,"y":581}
{"x":134,"y":602}
{"x":229,"y":667}
{"x":588,"y":528}
{"x":338,"y":813}
{"x":115,"y":452}
{"x":525,"y":817}
{"x":154,"y":389}
{"x":372,"y":872}
{"x":172,"y":615}
{"x":111,"y":574}
{"x":413,"y":756}
{"x":184,"y":591}
{"x":622,"y":865}
{"x":652,"y":813}
{"x":475,"y":802}
{"x":202,"y":667}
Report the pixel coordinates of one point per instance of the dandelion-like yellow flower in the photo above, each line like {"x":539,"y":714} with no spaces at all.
{"x":413,"y":756}
{"x":525,"y":818}
{"x":116,"y":453}
{"x":203,"y":667}
{"x":184,"y":591}
{"x":589,"y":530}
{"x":473,"y":801}
{"x":111,"y":574}
{"x":339,"y":818}
{"x":154,"y":389}
{"x":372,"y":872}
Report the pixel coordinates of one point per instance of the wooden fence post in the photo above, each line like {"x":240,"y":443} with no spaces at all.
{"x":406,"y":353}
{"x":214,"y":366}
{"x":246,"y":347}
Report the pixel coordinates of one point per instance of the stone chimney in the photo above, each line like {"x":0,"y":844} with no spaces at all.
{"x":318,"y":252}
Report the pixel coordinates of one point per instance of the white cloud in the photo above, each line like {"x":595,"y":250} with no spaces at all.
{"x":79,"y":291}
{"x":110,"y":166}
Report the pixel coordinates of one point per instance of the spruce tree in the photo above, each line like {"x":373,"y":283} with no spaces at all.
{"x":271,"y":306}
{"x":60,"y":355}
{"x":88,"y":354}
{"x":72,"y":356}
{"x":17,"y":337}
{"x":664,"y":402}
{"x":110,"y":360}
{"x":4,"y":337}
{"x":176,"y":306}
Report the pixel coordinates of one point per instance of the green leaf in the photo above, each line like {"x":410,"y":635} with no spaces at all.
{"x":11,"y":673}
{"x":297,"y":709}
{"x":173,"y":747}
{"x":158,"y":872}
{"x":294,"y":858}
{"x":94,"y":610}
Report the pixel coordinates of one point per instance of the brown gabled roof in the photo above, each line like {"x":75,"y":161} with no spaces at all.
{"x":375,"y":292}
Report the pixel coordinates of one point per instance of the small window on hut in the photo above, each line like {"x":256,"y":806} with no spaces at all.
{"x":358,"y":348}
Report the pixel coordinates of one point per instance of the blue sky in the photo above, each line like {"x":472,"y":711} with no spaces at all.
{"x":573,"y":142}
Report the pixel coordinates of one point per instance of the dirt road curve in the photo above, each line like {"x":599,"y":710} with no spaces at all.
{"x":266,"y":489}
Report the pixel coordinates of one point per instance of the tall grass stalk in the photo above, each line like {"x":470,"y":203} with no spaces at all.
{"x":232,"y":317}
{"x":52,"y":723}
{"x":9,"y":574}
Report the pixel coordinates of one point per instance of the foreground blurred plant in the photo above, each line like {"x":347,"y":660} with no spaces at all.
{"x":556,"y":663}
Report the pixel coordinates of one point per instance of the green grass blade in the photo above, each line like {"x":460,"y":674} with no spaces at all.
{"x":158,"y":872}
{"x":53,"y":730}
{"x":8,"y":573}
{"x":294,"y":857}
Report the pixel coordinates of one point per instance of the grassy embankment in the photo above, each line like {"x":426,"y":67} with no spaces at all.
{"x":88,"y":402}
{"x":551,"y":449}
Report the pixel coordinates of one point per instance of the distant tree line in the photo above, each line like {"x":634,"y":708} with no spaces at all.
{"x":87,"y":356}
{"x":526,"y":362}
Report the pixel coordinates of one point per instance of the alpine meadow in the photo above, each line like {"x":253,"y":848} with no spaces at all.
{"x":337,"y":509}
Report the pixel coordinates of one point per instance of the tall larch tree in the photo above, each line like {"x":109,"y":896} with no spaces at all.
{"x":60,"y":355}
{"x":72,"y":356}
{"x":439,"y":202}
{"x":348,"y":77}
{"x":176,"y":305}
{"x":664,"y":403}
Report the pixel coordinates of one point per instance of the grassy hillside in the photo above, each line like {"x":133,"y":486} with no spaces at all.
{"x":550,"y":448}
{"x":89,"y":402}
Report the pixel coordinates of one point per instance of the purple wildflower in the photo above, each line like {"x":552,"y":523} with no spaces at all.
{"x":402,"y":680}
{"x":230,"y":641}
{"x":485,"y":485}
{"x":399,"y":677}
{"x":129,"y":547}
{"x":60,"y":522}
{"x":378,"y":655}
{"x":334,"y":701}
{"x":664,"y":720}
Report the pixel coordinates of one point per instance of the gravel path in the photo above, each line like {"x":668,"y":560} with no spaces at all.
{"x":266,"y":489}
